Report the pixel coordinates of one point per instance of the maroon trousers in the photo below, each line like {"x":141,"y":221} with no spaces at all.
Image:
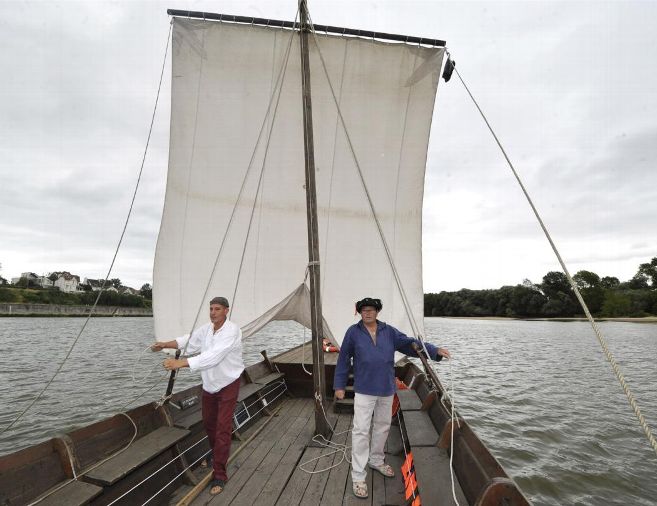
{"x":218,"y":411}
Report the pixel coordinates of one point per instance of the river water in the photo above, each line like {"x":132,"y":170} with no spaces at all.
{"x":539,"y":394}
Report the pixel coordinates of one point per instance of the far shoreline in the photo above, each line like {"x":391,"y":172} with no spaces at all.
{"x":626,"y":319}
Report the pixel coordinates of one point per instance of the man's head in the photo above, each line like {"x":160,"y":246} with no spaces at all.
{"x":369,"y":309}
{"x":218,"y":310}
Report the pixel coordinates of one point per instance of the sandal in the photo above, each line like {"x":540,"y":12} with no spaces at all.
{"x":360,"y":489}
{"x":206,"y":462}
{"x":384,"y":469}
{"x":217,"y":486}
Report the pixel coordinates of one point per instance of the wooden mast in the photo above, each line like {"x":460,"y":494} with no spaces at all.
{"x":321,"y":424}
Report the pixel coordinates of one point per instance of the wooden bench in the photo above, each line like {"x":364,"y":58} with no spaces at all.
{"x":43,"y":471}
{"x":270,"y":378}
{"x":73,"y":493}
{"x":140,"y":452}
{"x":252,"y":398}
{"x":434,"y":478}
{"x":432,"y":469}
{"x":408,"y":400}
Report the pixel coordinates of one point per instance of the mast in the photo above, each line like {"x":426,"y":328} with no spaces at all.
{"x":319,"y":384}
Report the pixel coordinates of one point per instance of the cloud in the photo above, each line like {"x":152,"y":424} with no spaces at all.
{"x":565,"y":85}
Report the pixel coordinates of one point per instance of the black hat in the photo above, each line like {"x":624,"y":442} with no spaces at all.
{"x":222,"y":301}
{"x":369,"y":302}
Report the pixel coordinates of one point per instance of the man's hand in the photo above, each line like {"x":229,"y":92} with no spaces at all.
{"x":158,"y":346}
{"x":339,"y":394}
{"x":171,"y":364}
{"x":444,"y":352}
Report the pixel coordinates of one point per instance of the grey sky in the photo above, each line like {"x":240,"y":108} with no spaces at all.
{"x":570,"y":88}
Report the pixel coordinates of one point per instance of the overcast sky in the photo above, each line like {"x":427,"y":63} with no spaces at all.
{"x":571,"y":89}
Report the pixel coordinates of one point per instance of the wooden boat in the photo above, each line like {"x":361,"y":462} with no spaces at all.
{"x":274,"y":427}
{"x":229,"y":74}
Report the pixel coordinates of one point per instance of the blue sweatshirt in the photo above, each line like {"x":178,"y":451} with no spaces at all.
{"x":374,"y":372}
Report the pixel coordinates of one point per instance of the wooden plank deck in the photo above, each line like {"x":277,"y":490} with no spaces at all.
{"x":266,"y":471}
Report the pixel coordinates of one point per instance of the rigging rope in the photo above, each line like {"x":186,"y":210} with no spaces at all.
{"x":262,"y":168}
{"x":451,"y":436}
{"x":603,"y":343}
{"x":241,"y":191}
{"x":400,"y":286}
{"x":116,"y":252}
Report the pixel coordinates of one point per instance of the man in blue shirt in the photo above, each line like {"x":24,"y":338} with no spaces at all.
{"x":372,"y":345}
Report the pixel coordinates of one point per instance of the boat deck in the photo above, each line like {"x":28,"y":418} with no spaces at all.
{"x":303,"y":354}
{"x":264,"y":469}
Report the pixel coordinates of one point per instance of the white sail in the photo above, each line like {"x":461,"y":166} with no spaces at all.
{"x":224,"y":78}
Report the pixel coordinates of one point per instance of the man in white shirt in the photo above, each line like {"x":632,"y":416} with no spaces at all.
{"x":220,"y":362}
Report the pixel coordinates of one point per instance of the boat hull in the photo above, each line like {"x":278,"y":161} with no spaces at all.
{"x":166,"y":444}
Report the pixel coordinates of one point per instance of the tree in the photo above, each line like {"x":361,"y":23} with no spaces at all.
{"x":586,"y":279}
{"x":555,"y":282}
{"x":23,"y":282}
{"x":146,"y":291}
{"x":648,"y":271}
{"x":116,"y":283}
{"x":3,"y":281}
{"x":589,"y":285}
{"x":616,"y":304}
{"x":559,"y":305}
{"x":609,"y":282}
{"x":638,"y":282}
{"x":54,"y":276}
{"x":561,"y":298}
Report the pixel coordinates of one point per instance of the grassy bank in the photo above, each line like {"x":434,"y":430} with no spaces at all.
{"x":644,"y":319}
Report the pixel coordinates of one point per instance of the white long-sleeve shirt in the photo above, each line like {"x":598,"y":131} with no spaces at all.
{"x":220,"y":359}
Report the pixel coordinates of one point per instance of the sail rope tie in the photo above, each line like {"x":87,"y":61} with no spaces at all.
{"x":116,"y":252}
{"x":242,"y":187}
{"x":603,"y":343}
{"x":415,"y":327}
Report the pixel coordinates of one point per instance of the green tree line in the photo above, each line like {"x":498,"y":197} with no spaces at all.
{"x":605,"y":296}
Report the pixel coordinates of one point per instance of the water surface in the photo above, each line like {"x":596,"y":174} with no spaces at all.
{"x":539,"y":394}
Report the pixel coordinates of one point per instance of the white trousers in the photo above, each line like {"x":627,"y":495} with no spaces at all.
{"x":374,"y":411}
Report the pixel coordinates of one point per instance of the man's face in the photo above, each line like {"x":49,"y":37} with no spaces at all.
{"x":218,"y":313}
{"x":368,"y":314}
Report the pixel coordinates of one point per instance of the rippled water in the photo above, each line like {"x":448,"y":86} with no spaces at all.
{"x":539,"y":394}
